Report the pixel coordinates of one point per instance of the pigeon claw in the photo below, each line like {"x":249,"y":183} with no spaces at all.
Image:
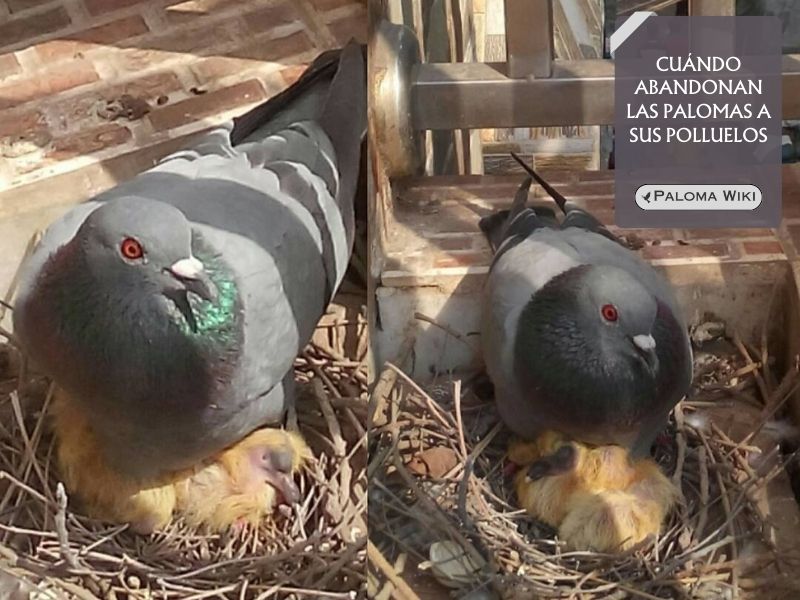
{"x":558,"y":463}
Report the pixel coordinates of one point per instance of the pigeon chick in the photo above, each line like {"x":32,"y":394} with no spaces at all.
{"x":597,"y":498}
{"x":169,"y":310}
{"x":580,"y":337}
{"x":244,"y":483}
{"x":238,"y":487}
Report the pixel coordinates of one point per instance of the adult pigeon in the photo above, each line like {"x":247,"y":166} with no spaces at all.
{"x":169,"y":309}
{"x":580,"y":336}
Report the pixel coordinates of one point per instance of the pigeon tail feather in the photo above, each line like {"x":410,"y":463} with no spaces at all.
{"x":574,"y":216}
{"x":313,"y":80}
{"x":554,"y":194}
{"x":495,"y":226}
{"x":344,"y":118}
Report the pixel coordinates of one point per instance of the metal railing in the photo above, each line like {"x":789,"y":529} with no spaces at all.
{"x":533,"y":89}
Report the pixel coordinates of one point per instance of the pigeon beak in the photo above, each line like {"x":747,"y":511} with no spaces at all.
{"x":646,"y":347}
{"x":190,"y":272}
{"x":644,"y":342}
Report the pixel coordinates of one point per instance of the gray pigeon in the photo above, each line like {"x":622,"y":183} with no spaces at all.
{"x":172,"y":306}
{"x":579,"y":334}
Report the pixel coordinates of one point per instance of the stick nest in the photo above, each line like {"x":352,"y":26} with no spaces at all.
{"x":437,"y":480}
{"x":48,"y":549}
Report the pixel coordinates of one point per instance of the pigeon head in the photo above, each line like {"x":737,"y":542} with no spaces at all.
{"x":588,"y":334}
{"x":125,"y":316}
{"x":144,"y":247}
{"x":617,"y":310}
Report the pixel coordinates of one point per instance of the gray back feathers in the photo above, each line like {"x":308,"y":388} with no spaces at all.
{"x":270,"y":204}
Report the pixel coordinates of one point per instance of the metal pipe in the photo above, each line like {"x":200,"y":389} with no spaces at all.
{"x":579,"y":92}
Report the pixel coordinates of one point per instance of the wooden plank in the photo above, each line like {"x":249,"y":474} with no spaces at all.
{"x":529,"y":38}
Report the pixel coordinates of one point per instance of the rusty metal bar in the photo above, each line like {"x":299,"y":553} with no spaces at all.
{"x":529,"y":38}
{"x":580,"y":92}
{"x":712,"y":8}
{"x":478,"y":95}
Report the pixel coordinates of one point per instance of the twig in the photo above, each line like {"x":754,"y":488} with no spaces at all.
{"x":447,"y":329}
{"x":377,"y":559}
{"x":702,"y":461}
{"x":762,"y":386}
{"x":680,"y":438}
{"x":436,"y":410}
{"x":67,"y":554}
{"x":386,"y":382}
{"x":12,"y":339}
{"x":459,"y":420}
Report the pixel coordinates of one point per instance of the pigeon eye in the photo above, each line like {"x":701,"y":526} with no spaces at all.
{"x":609,"y":312}
{"x":131,"y":249}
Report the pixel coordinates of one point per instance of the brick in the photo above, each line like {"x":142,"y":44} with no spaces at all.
{"x":711,"y":234}
{"x":644,"y":234}
{"x":99,"y":7}
{"x":15,"y":6}
{"x":463,"y":259}
{"x":691,"y":251}
{"x":186,"y":12}
{"x":765,"y":247}
{"x":18,"y":30}
{"x":794,"y":234}
{"x":87,"y":142}
{"x":791,"y":210}
{"x":83,"y":41}
{"x":47,"y":83}
{"x":275,"y":49}
{"x":405,"y":263}
{"x":325,"y":5}
{"x":191,"y":41}
{"x":8,"y":65}
{"x":462,"y":242}
{"x":502,"y":189}
{"x":605,"y":216}
{"x":350,"y":27}
{"x":281,"y":49}
{"x":195,"y":108}
{"x":454,"y":219}
{"x":17,"y":123}
{"x":81,"y":110}
{"x":269,"y":17}
{"x":292,"y":74}
{"x":22,"y":132}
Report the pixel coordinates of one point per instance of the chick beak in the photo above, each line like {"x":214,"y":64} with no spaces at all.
{"x":190,"y":272}
{"x":646,"y":347}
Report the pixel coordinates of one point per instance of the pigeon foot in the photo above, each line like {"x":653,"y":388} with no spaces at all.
{"x":245,"y":483}
{"x":104,"y":493}
{"x":596,"y":497}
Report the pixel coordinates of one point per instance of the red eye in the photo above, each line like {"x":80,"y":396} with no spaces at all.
{"x":131,"y":249}
{"x":609,"y":312}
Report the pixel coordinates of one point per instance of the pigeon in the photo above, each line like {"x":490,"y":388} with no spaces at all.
{"x":596,"y":497}
{"x":170,"y":308}
{"x":579,"y":334}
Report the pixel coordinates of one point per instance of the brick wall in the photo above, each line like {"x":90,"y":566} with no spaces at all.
{"x":433,"y":238}
{"x":83,"y":81}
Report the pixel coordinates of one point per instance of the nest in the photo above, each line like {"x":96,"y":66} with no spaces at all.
{"x":443,"y":514}
{"x":48,"y":549}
